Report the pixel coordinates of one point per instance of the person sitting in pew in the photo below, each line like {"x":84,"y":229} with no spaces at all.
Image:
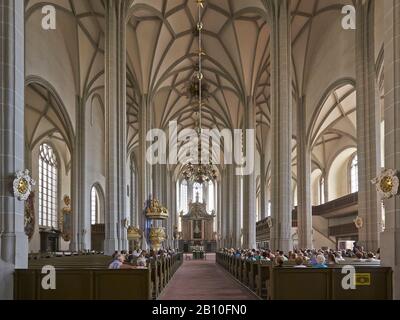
{"x":141,"y":261}
{"x":265,"y":256}
{"x":282,"y":255}
{"x":359,"y":257}
{"x":331,"y":258}
{"x":371,"y":257}
{"x":299,"y":263}
{"x":338,"y":257}
{"x":130,"y":256}
{"x":279,"y":261}
{"x":292,"y":257}
{"x":117,"y":262}
{"x":320,"y":262}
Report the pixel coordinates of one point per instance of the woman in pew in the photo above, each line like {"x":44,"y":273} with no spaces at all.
{"x":320,"y":262}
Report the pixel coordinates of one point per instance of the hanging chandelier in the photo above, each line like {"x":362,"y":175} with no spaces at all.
{"x":199,"y":172}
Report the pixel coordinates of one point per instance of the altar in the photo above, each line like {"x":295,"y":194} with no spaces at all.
{"x":198,"y":227}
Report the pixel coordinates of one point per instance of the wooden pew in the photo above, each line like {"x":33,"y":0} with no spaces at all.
{"x":326,"y":284}
{"x":89,"y":275}
{"x":291,"y":283}
{"x":78,"y":284}
{"x":262,"y":279}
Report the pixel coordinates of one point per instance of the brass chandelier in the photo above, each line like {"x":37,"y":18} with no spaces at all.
{"x":199,"y":172}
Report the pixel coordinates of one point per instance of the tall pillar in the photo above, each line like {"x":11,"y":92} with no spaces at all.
{"x":13,"y":241}
{"x":146,"y":175}
{"x":304,"y":207}
{"x":221,"y":209}
{"x":81,"y":221}
{"x":281,"y":107}
{"x":229,"y":205}
{"x":236,"y":204}
{"x":249,"y":182}
{"x":390,"y":238}
{"x":115,"y":97}
{"x":221,"y":218}
{"x":171,"y":188}
{"x":368,"y":126}
{"x":263,"y":188}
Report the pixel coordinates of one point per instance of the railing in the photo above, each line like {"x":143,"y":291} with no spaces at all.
{"x":341,"y":203}
{"x":346,"y":229}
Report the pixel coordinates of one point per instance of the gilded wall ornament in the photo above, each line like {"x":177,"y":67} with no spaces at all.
{"x":387,"y":183}
{"x":23,"y":185}
{"x":358,"y":222}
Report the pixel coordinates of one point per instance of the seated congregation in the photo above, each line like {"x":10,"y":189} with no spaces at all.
{"x":322,"y":274}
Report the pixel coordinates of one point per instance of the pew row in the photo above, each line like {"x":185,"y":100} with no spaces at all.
{"x":281,"y":283}
{"x":88,"y":278}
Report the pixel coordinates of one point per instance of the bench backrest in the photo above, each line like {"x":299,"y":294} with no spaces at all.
{"x":326,"y":284}
{"x":77,"y":284}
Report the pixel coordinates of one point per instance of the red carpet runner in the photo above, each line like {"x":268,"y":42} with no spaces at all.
{"x":204,"y":280}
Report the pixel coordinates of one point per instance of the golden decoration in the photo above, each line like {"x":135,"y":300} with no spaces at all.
{"x":157,"y":236}
{"x":156,"y":211}
{"x":23,"y":186}
{"x":387,"y":184}
{"x":359,"y":222}
{"x":134,"y":233}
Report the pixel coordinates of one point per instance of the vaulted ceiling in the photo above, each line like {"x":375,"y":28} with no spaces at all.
{"x":161,"y":55}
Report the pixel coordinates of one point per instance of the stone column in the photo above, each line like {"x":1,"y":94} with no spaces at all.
{"x":368,"y":127}
{"x":390,"y":238}
{"x":13,"y":241}
{"x":220,"y":211}
{"x":173,"y":211}
{"x":81,"y":221}
{"x":249,"y":181}
{"x":115,"y":97}
{"x":236,"y":204}
{"x":304,"y":207}
{"x":263,"y":188}
{"x":145,"y":176}
{"x":281,"y":107}
{"x":228,"y":206}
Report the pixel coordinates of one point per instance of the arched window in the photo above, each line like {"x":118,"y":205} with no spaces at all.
{"x":322,"y":190}
{"x":183,"y":205}
{"x":94,"y":206}
{"x":198,"y":188}
{"x":48,"y":185}
{"x":211,"y":197}
{"x":354,"y":175}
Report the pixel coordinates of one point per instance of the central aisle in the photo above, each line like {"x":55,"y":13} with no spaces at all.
{"x":204,"y":280}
